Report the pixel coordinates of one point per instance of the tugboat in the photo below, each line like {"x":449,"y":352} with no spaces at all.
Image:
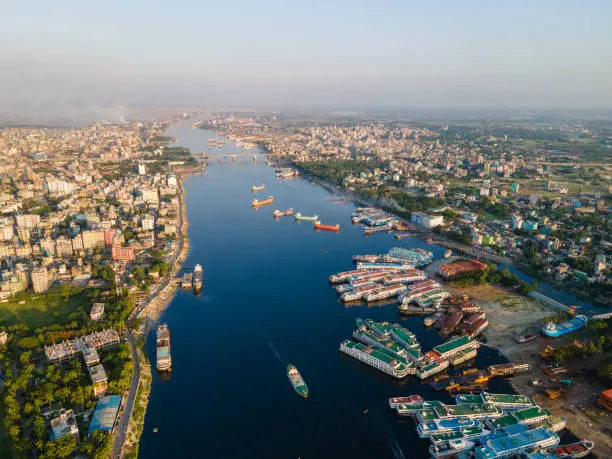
{"x":197,"y":278}
{"x":164,"y":359}
{"x":297,"y":381}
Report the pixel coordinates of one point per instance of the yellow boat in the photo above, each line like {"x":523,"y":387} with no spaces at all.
{"x":264,"y":202}
{"x":257,"y":188}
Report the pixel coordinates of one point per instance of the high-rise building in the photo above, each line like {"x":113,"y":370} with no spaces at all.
{"x":40,"y":280}
{"x":27,"y":220}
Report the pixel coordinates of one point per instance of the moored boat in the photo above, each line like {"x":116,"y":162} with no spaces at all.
{"x":164,"y":358}
{"x":264,"y":202}
{"x":572,"y":451}
{"x":429,"y":321}
{"x":198,"y":274}
{"x":319,"y":226}
{"x":556,"y":329}
{"x":257,"y":188}
{"x":297,"y":381}
{"x":312,"y":218}
{"x":524,"y":338}
{"x":411,"y":400}
{"x":283,"y":213}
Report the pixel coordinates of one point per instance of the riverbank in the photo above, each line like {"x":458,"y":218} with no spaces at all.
{"x":510,"y":314}
{"x":150,"y":314}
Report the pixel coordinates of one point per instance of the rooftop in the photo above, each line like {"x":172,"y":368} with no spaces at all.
{"x":105,"y":414}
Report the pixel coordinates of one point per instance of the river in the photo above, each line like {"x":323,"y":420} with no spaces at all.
{"x":266,"y":302}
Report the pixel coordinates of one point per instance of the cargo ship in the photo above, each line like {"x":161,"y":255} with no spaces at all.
{"x":164,"y":359}
{"x":384,"y":292}
{"x":310,"y":218}
{"x":319,"y":226}
{"x":283,"y":213}
{"x":411,"y":400}
{"x":556,"y":329}
{"x":255,"y":188}
{"x":264,"y":202}
{"x":198,"y":274}
{"x":571,"y":451}
{"x":297,"y":381}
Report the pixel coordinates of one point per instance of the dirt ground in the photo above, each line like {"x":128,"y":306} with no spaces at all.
{"x":510,"y":314}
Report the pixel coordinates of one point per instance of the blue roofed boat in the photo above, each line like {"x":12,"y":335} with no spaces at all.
{"x":514,"y":440}
{"x":445,"y":425}
{"x":556,"y":329}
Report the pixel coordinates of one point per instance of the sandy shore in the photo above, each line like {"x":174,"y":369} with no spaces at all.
{"x":511,"y":314}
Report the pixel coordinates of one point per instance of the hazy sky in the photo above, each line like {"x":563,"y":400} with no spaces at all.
{"x":327,"y":53}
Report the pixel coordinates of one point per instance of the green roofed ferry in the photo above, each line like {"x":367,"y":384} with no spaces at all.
{"x":297,"y":381}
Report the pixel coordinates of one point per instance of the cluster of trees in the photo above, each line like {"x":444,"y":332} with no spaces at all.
{"x":335,"y":171}
{"x":492,"y":275}
{"x":29,"y":390}
{"x":597,"y":340}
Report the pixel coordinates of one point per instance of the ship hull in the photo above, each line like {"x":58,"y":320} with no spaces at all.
{"x":298,"y":383}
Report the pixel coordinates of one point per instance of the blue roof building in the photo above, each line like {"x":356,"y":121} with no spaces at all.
{"x":105,"y":414}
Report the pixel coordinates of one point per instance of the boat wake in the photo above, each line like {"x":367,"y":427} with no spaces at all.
{"x":394,"y":445}
{"x":275,"y":352}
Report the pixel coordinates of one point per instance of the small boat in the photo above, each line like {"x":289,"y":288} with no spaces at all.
{"x":155,"y":430}
{"x":257,"y":188}
{"x":319,"y":226}
{"x":524,"y":338}
{"x":448,"y":253}
{"x":572,"y":451}
{"x":297,"y":381}
{"x":366,"y":411}
{"x":313,"y":218}
{"x":264,"y":202}
{"x":429,"y":321}
{"x":283,"y":213}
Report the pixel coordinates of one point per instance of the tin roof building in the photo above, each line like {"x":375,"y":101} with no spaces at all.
{"x":105,"y":415}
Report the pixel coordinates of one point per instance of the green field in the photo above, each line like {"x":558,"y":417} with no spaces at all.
{"x":43,"y":310}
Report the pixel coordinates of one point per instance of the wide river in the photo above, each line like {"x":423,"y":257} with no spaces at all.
{"x":266,"y":302}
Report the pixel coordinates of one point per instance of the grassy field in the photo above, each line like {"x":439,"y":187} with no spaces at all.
{"x":42,"y":310}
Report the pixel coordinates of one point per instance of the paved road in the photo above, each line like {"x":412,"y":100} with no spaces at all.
{"x":128,"y":406}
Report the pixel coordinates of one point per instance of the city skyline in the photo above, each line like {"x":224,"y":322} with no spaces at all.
{"x":322,"y":55}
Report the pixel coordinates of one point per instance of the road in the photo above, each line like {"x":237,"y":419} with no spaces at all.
{"x":128,"y":405}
